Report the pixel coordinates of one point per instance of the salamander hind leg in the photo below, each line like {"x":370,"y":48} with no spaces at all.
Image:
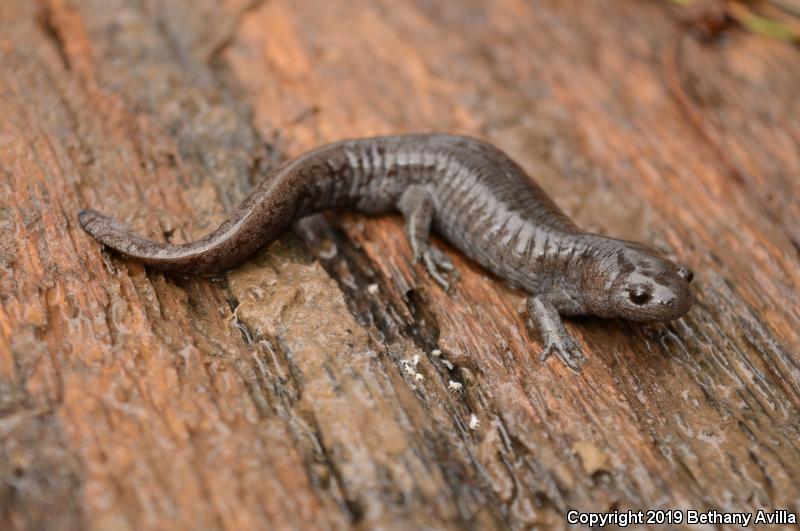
{"x":543,"y":317}
{"x":418,"y":208}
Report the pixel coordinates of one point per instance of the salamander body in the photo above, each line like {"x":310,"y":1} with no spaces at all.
{"x":469,"y":192}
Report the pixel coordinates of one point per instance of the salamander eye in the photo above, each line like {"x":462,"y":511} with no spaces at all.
{"x":685,"y":273}
{"x":639,"y":294}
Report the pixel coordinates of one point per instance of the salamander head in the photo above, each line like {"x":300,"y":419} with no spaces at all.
{"x":645,"y":286}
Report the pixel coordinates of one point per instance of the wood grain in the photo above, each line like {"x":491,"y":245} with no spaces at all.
{"x":304,"y":390}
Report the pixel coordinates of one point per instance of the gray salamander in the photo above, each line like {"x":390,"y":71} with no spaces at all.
{"x":472,"y":194}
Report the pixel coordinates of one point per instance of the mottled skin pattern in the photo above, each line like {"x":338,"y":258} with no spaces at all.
{"x":469,"y":192}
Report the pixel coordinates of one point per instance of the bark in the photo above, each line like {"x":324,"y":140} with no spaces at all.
{"x":285,"y":394}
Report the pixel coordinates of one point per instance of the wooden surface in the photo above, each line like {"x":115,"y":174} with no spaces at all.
{"x":284,"y":395}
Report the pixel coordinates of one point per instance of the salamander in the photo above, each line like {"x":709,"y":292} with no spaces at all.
{"x":469,"y":192}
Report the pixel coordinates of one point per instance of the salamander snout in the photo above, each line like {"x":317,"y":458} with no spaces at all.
{"x":685,"y":273}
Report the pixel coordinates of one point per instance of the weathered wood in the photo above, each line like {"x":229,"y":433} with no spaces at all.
{"x":284,"y":394}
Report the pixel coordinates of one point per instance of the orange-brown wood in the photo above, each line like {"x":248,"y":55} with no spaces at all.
{"x":311,"y":387}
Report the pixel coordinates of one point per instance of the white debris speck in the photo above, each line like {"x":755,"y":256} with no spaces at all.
{"x":455,"y":387}
{"x":373,"y":289}
{"x":447,"y":363}
{"x":436,"y":352}
{"x":473,"y":422}
{"x":330,"y":252}
{"x":410,"y":368}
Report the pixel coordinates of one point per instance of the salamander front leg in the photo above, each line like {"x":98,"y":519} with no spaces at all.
{"x":418,"y":207}
{"x":544,"y":318}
